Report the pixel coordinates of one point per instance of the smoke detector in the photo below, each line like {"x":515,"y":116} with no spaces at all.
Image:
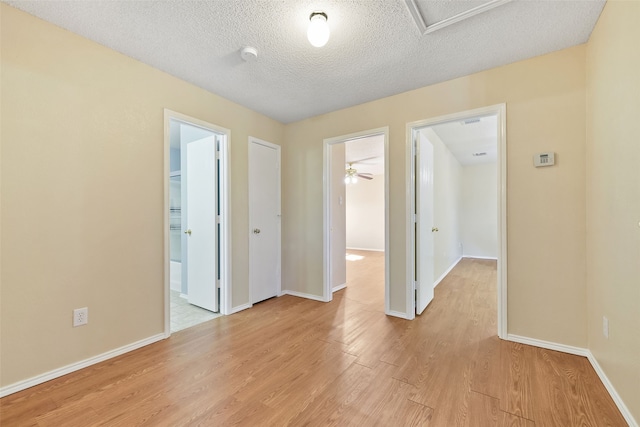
{"x":249,"y":53}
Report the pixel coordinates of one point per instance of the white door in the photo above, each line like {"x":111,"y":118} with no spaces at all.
{"x":201,"y":226}
{"x":264,"y":220}
{"x":425,"y":224}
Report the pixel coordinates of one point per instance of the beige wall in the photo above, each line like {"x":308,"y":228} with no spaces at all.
{"x":82,"y":193}
{"x":81,"y":144}
{"x":545,"y":99}
{"x":613,"y":196}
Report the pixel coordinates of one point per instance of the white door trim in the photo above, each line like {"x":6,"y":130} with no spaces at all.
{"x":500,"y":110}
{"x":327,"y":294}
{"x":253,"y":140}
{"x":225,"y":213}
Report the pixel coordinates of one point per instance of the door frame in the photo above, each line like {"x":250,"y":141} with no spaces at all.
{"x":327,"y":290}
{"x":253,"y":140}
{"x":500,"y":110}
{"x":225,"y":212}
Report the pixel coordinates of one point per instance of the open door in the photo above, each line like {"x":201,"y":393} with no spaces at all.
{"x":424,"y":222}
{"x":202,"y":222}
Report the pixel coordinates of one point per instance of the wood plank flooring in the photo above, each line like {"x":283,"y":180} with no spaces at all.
{"x":297,"y":362}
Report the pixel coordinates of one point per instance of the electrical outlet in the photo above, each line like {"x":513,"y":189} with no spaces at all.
{"x":605,"y":327}
{"x":80,"y":316}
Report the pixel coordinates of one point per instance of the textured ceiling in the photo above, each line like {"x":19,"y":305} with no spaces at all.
{"x":366,"y":154}
{"x":466,"y":137}
{"x":375,"y":49}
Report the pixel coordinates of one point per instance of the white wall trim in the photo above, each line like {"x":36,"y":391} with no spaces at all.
{"x":328,"y":143}
{"x":441,"y":278}
{"x":240,"y":308}
{"x":500,"y":110}
{"x":366,"y":249}
{"x":578,"y":351}
{"x":304,"y":295}
{"x":48,"y":376}
{"x":410,"y":221}
{"x":339,"y":287}
{"x":480,"y":257}
{"x":626,"y":413}
{"x":584,"y":352}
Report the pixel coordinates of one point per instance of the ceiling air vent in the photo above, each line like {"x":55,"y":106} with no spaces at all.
{"x":470,"y":121}
{"x":482,"y":153}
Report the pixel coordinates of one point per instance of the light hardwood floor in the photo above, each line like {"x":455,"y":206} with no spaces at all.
{"x":291,"y":361}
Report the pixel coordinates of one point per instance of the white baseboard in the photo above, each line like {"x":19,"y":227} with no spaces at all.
{"x":240,"y":308}
{"x":303,"y":295}
{"x":578,"y":351}
{"x":366,"y":249}
{"x":48,"y":376}
{"x":339,"y":287}
{"x":437,"y":282}
{"x":612,"y":391}
{"x":480,"y":257}
{"x":594,"y":362}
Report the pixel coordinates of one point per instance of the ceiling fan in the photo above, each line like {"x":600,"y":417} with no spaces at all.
{"x":352,"y":175}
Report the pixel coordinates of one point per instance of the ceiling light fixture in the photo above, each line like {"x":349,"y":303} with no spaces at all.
{"x":318,"y":31}
{"x":351,"y":175}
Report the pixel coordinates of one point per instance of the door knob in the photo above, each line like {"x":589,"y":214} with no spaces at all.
{"x":188,"y":232}
{"x":256,"y":231}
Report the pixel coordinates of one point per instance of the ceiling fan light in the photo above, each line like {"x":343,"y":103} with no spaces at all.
{"x":347,"y":179}
{"x":318,"y":31}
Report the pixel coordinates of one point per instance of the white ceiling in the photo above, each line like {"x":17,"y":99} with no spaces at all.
{"x":471,"y":136}
{"x":366,"y":154}
{"x":375,"y":49}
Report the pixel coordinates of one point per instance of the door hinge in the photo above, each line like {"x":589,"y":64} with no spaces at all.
{"x":414,"y":218}
{"x":218,"y":219}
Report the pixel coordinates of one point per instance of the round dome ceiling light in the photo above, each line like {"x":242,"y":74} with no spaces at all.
{"x":318,"y":31}
{"x":249,"y":54}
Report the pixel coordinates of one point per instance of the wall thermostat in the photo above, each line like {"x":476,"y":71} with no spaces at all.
{"x":544,"y":159}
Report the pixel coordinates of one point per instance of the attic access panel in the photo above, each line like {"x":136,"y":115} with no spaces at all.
{"x":430,"y":15}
